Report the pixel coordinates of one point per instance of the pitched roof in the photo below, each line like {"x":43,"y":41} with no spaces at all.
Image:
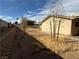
{"x":59,"y":16}
{"x":3,"y":21}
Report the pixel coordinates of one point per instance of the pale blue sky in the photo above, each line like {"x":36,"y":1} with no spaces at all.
{"x":34,"y":9}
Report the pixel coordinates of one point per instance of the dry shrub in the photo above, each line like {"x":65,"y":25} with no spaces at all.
{"x":60,"y":46}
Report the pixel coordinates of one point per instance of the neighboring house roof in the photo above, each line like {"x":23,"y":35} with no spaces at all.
{"x":63,"y":17}
{"x":3,"y":21}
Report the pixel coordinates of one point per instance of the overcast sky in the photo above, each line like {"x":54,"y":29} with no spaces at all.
{"x":35,"y":9}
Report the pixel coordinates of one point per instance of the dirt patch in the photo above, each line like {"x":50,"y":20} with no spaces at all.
{"x":61,"y":46}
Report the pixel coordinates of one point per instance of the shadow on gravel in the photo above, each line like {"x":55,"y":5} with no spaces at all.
{"x":27,"y":47}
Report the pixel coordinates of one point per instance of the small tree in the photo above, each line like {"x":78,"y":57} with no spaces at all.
{"x":23,"y":23}
{"x":16,"y":22}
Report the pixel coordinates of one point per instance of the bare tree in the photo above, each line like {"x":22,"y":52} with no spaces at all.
{"x":58,"y":10}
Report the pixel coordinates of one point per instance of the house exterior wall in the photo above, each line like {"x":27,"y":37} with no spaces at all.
{"x":65,"y":26}
{"x":45,"y":26}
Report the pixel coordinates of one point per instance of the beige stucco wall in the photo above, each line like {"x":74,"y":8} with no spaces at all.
{"x":45,"y":26}
{"x":65,"y":27}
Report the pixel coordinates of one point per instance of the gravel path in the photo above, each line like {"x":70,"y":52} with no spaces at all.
{"x":27,"y":47}
{"x":3,"y":31}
